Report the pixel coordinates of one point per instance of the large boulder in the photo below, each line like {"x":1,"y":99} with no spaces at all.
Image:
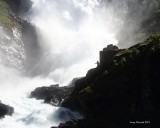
{"x":52,"y":94}
{"x":5,"y":110}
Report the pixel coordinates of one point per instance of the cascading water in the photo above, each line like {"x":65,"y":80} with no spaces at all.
{"x":70,"y":35}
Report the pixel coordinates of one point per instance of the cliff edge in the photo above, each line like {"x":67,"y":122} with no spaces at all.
{"x":122,"y":91}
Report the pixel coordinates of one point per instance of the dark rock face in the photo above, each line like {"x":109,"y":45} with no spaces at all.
{"x":67,"y":124}
{"x":72,"y":83}
{"x":5,"y":110}
{"x":29,"y":36}
{"x":106,"y":57}
{"x":127,"y":90}
{"x":52,"y":94}
{"x":19,"y":6}
{"x":54,"y":100}
{"x":31,"y":44}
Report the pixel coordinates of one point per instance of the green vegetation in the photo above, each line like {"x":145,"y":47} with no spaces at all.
{"x":134,"y":51}
{"x":5,"y":18}
{"x":87,"y":90}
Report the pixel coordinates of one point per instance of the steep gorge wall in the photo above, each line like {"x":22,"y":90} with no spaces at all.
{"x":12,"y":51}
{"x":19,"y":44}
{"x":19,"y":6}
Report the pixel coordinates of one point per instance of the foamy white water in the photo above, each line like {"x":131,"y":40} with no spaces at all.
{"x":32,"y":113}
{"x":28,"y":112}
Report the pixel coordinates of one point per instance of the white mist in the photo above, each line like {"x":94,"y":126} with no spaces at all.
{"x":70,"y":33}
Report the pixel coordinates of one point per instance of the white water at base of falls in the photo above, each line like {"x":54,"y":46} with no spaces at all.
{"x":15,"y":89}
{"x":28,"y":112}
{"x":32,"y":113}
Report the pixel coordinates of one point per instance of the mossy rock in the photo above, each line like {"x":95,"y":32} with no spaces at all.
{"x":88,"y":89}
{"x":128,"y":90}
{"x":6,"y":19}
{"x":135,"y":51}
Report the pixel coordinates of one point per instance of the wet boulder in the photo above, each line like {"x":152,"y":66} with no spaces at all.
{"x":5,"y":110}
{"x":54,"y":100}
{"x":52,"y":94}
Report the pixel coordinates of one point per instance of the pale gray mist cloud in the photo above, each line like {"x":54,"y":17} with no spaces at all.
{"x":72,"y":32}
{"x":134,"y":14}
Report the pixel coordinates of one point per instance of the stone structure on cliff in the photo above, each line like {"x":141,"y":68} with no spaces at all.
{"x":107,"y":55}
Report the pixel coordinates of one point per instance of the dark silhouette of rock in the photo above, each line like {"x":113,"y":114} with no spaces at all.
{"x":72,"y":83}
{"x":68,"y":124}
{"x":5,"y":110}
{"x":52,"y":94}
{"x":54,"y":100}
{"x":106,"y":57}
{"x":126,"y":90}
{"x":19,"y":6}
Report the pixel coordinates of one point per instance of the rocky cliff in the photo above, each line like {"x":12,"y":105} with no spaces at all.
{"x":122,"y":89}
{"x":18,"y":36}
{"x":125,"y":89}
{"x":13,"y":42}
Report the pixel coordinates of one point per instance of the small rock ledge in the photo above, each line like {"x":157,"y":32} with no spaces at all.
{"x":53,"y":94}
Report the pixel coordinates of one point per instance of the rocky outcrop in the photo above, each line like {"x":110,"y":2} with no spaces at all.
{"x":106,"y":56}
{"x":52,"y":94}
{"x":5,"y":110}
{"x":68,"y":124}
{"x":127,"y":90}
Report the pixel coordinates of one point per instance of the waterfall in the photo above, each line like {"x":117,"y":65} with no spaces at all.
{"x":70,"y":35}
